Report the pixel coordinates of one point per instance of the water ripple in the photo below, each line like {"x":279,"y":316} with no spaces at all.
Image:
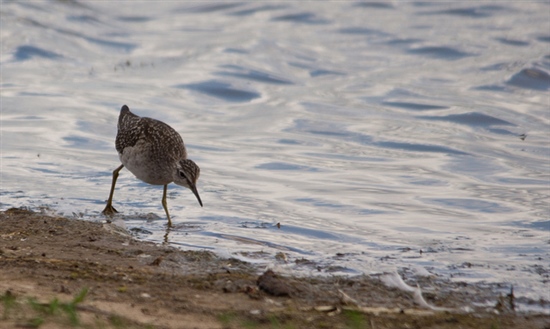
{"x":249,"y":240}
{"x":252,"y":11}
{"x":362,"y":31}
{"x":126,"y":46}
{"x":419,"y":147}
{"x":446,"y":53}
{"x":135,"y":19}
{"x":415,"y":106}
{"x":374,"y":4}
{"x":285,"y":166}
{"x":253,"y":75}
{"x":473,"y":12}
{"x":321,"y":72}
{"x":24,"y":53}
{"x":531,"y":78}
{"x":513,"y":42}
{"x":471,"y":205}
{"x":304,"y":18}
{"x":221,"y":90}
{"x":471,"y":119}
{"x":211,"y":7}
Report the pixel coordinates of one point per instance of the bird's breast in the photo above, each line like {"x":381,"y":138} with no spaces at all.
{"x":146,"y":165}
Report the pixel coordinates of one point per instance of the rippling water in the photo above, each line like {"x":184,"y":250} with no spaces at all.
{"x":380,"y":136}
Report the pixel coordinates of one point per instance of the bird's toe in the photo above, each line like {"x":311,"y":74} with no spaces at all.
{"x":109,"y":210}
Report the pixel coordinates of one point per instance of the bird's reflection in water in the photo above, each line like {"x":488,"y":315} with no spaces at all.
{"x":166,"y":234}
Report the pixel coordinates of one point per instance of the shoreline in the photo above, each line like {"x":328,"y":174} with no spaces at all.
{"x":111,"y":280}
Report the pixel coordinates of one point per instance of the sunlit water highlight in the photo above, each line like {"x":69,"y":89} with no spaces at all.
{"x":380,"y":136}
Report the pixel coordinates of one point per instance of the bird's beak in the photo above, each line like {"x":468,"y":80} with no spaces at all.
{"x":196,"y":193}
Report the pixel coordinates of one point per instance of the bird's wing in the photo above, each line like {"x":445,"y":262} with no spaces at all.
{"x":164,"y":140}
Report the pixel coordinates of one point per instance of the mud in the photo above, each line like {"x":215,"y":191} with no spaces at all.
{"x":46,"y":262}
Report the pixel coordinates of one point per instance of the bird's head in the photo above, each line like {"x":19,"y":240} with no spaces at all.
{"x":187,"y":173}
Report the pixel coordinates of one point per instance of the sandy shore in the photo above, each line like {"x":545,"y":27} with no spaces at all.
{"x":65,"y":273}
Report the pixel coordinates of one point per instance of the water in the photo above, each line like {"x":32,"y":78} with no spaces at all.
{"x":380,"y":136}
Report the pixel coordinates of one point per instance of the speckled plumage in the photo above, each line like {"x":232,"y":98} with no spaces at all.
{"x":155,"y":153}
{"x":149,"y":148}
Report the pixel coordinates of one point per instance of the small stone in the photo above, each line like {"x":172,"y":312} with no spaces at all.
{"x":273,"y":285}
{"x":325,"y":308}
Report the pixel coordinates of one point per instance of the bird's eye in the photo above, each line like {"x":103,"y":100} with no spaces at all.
{"x":182,"y":175}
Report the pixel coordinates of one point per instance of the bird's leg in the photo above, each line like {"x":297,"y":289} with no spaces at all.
{"x":165,"y":206}
{"x":109,"y":209}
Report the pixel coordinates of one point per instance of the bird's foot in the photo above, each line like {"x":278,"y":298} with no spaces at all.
{"x":109,"y":210}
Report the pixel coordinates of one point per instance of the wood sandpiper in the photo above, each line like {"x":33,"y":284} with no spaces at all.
{"x":154,"y":152}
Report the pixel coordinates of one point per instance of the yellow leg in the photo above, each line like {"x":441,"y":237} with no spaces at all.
{"x":165,"y":206}
{"x":109,"y":209}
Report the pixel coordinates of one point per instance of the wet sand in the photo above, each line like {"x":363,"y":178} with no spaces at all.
{"x":60,"y":273}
